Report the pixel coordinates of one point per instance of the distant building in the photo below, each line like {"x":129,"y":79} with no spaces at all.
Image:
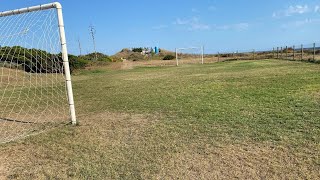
{"x":147,"y":51}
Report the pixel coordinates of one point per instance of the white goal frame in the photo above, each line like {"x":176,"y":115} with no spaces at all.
{"x":201,"y":50}
{"x":64,"y":51}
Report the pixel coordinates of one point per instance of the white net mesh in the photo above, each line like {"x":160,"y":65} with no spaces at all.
{"x":32,"y":83}
{"x":193,"y":55}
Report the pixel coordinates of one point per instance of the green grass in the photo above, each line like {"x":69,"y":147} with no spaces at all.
{"x":263,"y":101}
{"x":162,"y":122}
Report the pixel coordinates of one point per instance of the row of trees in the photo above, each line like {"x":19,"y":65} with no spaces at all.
{"x":39,"y":61}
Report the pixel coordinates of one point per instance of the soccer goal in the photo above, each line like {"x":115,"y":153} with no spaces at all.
{"x":190,"y":55}
{"x":35,"y":81}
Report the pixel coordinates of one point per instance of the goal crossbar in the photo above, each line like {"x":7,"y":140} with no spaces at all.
{"x":31,"y":9}
{"x":188,"y":48}
{"x":181,"y":49}
{"x":63,"y":41}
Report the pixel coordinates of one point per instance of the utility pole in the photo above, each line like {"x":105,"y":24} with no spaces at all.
{"x":80,"y":49}
{"x":93,"y":32}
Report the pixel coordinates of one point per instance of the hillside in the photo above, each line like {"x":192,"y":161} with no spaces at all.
{"x":137,"y":56}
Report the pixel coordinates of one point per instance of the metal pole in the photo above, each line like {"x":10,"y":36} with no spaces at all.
{"x":254,"y":58}
{"x":301,"y":52}
{"x":66,"y":63}
{"x":202,"y":54}
{"x":177,"y":57}
{"x":237,"y":55}
{"x":294,"y":52}
{"x":30,"y":9}
{"x":273,"y":53}
{"x":314,"y":51}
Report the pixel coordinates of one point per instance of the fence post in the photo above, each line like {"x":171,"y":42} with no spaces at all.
{"x":177,"y":60}
{"x":281,"y":51}
{"x":254,"y":58}
{"x":273,"y":54}
{"x":301,"y":52}
{"x":218,"y":56}
{"x":294,"y":52}
{"x":277,"y":52}
{"x":287,"y":57}
{"x":314,"y":51}
{"x":237,"y":55}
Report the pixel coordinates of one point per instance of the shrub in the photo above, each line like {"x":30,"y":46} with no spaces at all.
{"x":105,"y":59}
{"x":77,"y":62}
{"x":169,"y":57}
{"x":135,"y":57}
{"x":137,"y":49}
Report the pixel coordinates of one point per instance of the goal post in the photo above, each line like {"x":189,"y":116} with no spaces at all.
{"x":35,"y":77}
{"x":191,"y":52}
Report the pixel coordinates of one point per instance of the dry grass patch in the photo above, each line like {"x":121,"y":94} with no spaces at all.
{"x":130,"y":146}
{"x":73,"y":152}
{"x":241,"y":161}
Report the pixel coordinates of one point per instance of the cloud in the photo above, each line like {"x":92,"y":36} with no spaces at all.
{"x":241,"y":26}
{"x":181,"y":22}
{"x":192,"y":24}
{"x":159,"y":27}
{"x":194,"y":10}
{"x":301,"y":23}
{"x":236,"y":27}
{"x":297,"y":10}
{"x":292,"y":10}
{"x":212,"y":8}
{"x":317,"y":9}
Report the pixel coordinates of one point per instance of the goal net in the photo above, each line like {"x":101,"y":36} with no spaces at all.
{"x":35,"y":82}
{"x":190,"y":55}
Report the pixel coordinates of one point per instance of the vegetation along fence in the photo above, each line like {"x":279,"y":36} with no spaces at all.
{"x":308,"y":52}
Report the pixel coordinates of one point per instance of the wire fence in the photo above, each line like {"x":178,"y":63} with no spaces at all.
{"x":303,"y":52}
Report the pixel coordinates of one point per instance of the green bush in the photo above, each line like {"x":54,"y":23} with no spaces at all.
{"x":105,"y":59}
{"x":169,"y":57}
{"x":140,"y":49}
{"x":31,"y":60}
{"x":77,"y":62}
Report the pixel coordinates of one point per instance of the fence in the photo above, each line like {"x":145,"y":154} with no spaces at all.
{"x":309,"y":52}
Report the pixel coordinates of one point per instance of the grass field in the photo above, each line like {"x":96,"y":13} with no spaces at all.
{"x":240,"y":119}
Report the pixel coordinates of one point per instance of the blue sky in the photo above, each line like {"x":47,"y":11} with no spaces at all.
{"x":226,"y":25}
